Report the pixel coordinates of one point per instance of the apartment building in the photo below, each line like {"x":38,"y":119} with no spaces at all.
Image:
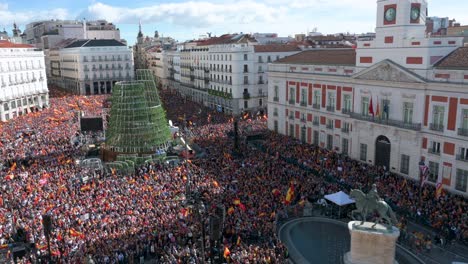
{"x":23,"y":80}
{"x":399,"y":100}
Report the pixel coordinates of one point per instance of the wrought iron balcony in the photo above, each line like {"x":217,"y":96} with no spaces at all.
{"x":316,"y":123}
{"x":329,"y":126}
{"x":433,"y":151}
{"x":291,"y":117}
{"x":303,"y":103}
{"x":436,"y":127}
{"x":246,"y":95}
{"x":346,"y":111}
{"x":261,"y":82}
{"x":463,"y":132}
{"x":330,"y":108}
{"x":291,"y":101}
{"x":462,"y":158}
{"x":345,"y":130}
{"x":386,"y":122}
{"x":303,"y":120}
{"x":316,"y":106}
{"x":276,"y":99}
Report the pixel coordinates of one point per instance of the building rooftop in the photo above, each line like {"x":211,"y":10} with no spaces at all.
{"x":458,"y":59}
{"x":227,"y":39}
{"x":95,"y":43}
{"x":276,"y":48}
{"x":322,"y":57}
{"x":7,"y":44}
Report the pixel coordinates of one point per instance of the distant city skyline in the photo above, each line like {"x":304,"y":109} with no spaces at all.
{"x":184,"y":20}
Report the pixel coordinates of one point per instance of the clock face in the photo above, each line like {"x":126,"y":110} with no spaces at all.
{"x":415,"y":13}
{"x":390,"y":14}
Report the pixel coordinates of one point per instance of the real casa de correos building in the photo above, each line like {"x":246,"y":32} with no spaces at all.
{"x":23,"y":84}
{"x":399,"y":100}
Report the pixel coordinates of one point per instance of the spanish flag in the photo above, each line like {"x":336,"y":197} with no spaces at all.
{"x":290,"y":194}
{"x":226,"y":252}
{"x":237,"y":201}
{"x":276,"y":192}
{"x":215,"y":183}
{"x":13,"y":167}
{"x":3,"y":246}
{"x":230,"y":211}
{"x":75,"y":233}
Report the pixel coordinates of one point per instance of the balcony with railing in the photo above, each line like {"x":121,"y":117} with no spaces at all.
{"x":276,"y":99}
{"x":345,"y":130}
{"x":246,"y":96}
{"x":292,"y":101}
{"x":461,"y":157}
{"x":316,"y":106}
{"x":291,"y":117}
{"x":387,"y":122}
{"x":433,"y":151}
{"x":436,"y":127}
{"x":303,"y":103}
{"x":261,"y":82}
{"x":463,"y":132}
{"x":316,"y":123}
{"x":330,"y":126}
{"x":303,"y":120}
{"x":346,"y":111}
{"x":330,"y":108}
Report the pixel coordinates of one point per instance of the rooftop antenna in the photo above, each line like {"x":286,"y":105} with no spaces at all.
{"x":209,"y":34}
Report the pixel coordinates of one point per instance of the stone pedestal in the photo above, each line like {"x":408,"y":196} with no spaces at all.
{"x":371,"y":245}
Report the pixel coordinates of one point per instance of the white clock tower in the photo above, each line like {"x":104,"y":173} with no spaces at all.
{"x":401,"y":37}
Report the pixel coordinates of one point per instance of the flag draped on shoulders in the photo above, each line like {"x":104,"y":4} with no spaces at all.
{"x":289,"y":194}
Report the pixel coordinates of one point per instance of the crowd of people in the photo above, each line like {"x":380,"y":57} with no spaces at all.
{"x":113,"y":217}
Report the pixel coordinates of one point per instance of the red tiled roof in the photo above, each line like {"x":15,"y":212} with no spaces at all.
{"x":8,"y":44}
{"x":276,"y":48}
{"x":226,"y":39}
{"x":458,"y":59}
{"x":322,"y":57}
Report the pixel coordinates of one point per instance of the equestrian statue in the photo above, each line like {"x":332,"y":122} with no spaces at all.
{"x":370,"y":203}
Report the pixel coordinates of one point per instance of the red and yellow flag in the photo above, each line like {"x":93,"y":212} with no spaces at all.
{"x":289,"y":194}
{"x":230,"y":211}
{"x":226,"y":252}
{"x":75,"y":233}
{"x":215,"y":183}
{"x":237,"y":201}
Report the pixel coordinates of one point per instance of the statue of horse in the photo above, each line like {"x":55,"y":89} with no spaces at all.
{"x":366,"y":205}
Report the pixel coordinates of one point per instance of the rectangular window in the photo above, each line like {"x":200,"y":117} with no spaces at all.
{"x":317,"y":97}
{"x":463,"y":154}
{"x":363,"y":152}
{"x":276,"y":95}
{"x":275,"y":126}
{"x":260,"y":59}
{"x":464,"y":124}
{"x":385,"y":108}
{"x":246,"y":68}
{"x":246,"y":79}
{"x":408,"y":113}
{"x":291,"y":130}
{"x":292,"y":95}
{"x":246,"y":104}
{"x":331,"y":100}
{"x":433,"y":171}
{"x":347,"y":103}
{"x":404,"y":166}
{"x":246,"y":57}
{"x":330,"y":142}
{"x":434,"y":147}
{"x":303,"y":97}
{"x":461,"y":181}
{"x":316,"y":137}
{"x":365,"y":106}
{"x":438,"y":115}
{"x":330,"y":123}
{"x":344,"y":146}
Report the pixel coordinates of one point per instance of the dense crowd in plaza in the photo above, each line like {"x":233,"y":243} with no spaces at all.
{"x":124,"y":218}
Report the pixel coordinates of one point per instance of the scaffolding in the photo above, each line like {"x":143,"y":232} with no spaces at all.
{"x":137,"y":122}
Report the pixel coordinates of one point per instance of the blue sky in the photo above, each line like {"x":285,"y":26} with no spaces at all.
{"x":188,"y":19}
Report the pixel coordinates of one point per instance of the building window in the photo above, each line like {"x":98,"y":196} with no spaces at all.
{"x":317,"y":97}
{"x":303,"y":97}
{"x":464,"y":123}
{"x":275,"y":126}
{"x":363,"y":152}
{"x":344,"y":146}
{"x":463,"y":154}
{"x":385,"y":108}
{"x":246,"y":68}
{"x":260,"y":69}
{"x":434,"y":147}
{"x":292,"y":95}
{"x":269,"y":59}
{"x":303,"y":134}
{"x":260,"y":59}
{"x":246,"y":104}
{"x":260,"y":102}
{"x":275,"y":111}
{"x":331,"y":100}
{"x":276,"y":93}
{"x":438,"y":115}
{"x":347,"y":103}
{"x":291,"y":130}
{"x":433,"y":171}
{"x":330,"y":123}
{"x":408,"y":113}
{"x":404,"y":166}
{"x":316,"y":137}
{"x":461,"y":181}
{"x":330,"y":142}
{"x":246,"y":57}
{"x":365,"y":106}
{"x":246,"y":79}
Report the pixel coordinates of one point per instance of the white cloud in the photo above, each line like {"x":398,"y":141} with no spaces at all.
{"x":194,"y":14}
{"x":7,"y":17}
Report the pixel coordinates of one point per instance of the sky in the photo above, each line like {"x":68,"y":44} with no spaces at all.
{"x":189,"y":19}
